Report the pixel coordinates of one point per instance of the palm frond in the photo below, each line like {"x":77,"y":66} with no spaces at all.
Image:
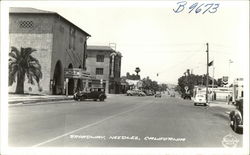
{"x":13,"y":55}
{"x":16,"y":51}
{"x":26,"y":52}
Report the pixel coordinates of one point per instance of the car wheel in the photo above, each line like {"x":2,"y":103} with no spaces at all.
{"x":235,"y":125}
{"x":101,"y":98}
{"x":195,"y":104}
{"x":95,"y":99}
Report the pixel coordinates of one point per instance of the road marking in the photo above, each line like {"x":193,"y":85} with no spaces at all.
{"x":87,"y":126}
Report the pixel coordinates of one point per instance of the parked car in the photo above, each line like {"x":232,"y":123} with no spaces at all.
{"x":129,"y":93}
{"x":236,"y":117}
{"x":132,"y":92}
{"x":149,"y":92}
{"x":141,"y":93}
{"x":90,"y":93}
{"x":172,"y":95}
{"x":158,"y":94}
{"x":135,"y":93}
{"x":200,"y":99}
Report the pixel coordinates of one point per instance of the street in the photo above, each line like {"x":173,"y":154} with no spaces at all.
{"x":119,"y":121}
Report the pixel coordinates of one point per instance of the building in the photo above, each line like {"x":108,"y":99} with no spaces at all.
{"x":215,"y":93}
{"x":134,"y":84}
{"x":104,"y":64}
{"x":238,"y":90}
{"x":60,"y":44}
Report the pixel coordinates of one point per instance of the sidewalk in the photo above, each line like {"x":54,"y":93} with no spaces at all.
{"x":223,"y":104}
{"x":34,"y":98}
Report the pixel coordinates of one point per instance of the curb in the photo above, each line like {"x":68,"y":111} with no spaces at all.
{"x":37,"y":101}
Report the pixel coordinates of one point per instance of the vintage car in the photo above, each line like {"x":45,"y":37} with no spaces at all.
{"x":200,"y":99}
{"x":148,"y":92}
{"x":131,"y":93}
{"x":158,"y":94}
{"x":90,"y":93}
{"x":135,"y":93}
{"x":141,"y":93}
{"x":236,"y":117}
{"x":172,"y":95}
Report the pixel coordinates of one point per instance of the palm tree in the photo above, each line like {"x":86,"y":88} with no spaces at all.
{"x":22,"y":63}
{"x":137,"y":70}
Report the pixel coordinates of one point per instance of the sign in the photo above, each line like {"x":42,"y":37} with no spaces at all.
{"x":186,"y":88}
{"x":76,"y":73}
{"x":225,"y":80}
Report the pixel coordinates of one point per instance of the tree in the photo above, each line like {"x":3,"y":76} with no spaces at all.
{"x":137,"y":70}
{"x":148,"y":84}
{"x":220,"y":83}
{"x":22,"y":63}
{"x":163,"y":87}
{"x":191,"y":80}
{"x":133,"y":77}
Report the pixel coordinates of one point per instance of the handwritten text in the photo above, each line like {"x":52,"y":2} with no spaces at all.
{"x":196,"y":7}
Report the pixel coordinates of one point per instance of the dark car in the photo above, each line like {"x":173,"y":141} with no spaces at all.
{"x":150,"y":93}
{"x":90,"y":93}
{"x":236,"y":116}
{"x":172,"y":95}
{"x":158,"y":94}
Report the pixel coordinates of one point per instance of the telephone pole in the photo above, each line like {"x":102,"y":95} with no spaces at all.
{"x":207,"y":74}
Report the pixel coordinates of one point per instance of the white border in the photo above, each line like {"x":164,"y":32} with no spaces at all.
{"x":4,"y":84}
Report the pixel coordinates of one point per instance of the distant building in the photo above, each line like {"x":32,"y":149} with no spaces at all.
{"x":104,"y":64}
{"x":59,"y":43}
{"x":238,"y":89}
{"x":218,"y":93}
{"x":134,"y":84}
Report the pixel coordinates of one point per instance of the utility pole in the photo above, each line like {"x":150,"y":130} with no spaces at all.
{"x":207,"y":74}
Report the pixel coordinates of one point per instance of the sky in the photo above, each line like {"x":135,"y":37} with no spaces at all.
{"x":158,"y":40}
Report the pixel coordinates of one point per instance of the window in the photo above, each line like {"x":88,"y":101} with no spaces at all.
{"x":99,"y":71}
{"x":72,"y":38}
{"x":100,"y":58}
{"x":26,"y":24}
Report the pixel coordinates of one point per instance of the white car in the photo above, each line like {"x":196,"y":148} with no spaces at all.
{"x":200,"y":99}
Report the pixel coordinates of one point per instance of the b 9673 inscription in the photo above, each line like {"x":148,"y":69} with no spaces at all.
{"x":196,"y":7}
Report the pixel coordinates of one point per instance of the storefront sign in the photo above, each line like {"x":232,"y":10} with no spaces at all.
{"x":77,"y":73}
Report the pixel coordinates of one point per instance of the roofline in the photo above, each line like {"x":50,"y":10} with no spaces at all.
{"x":52,"y":13}
{"x":100,"y":49}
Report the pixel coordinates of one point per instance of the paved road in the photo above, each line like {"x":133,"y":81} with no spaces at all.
{"x":120,"y":121}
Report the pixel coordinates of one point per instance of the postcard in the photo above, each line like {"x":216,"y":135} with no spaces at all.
{"x":125,"y":77}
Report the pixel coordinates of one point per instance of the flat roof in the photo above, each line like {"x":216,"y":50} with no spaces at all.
{"x":24,"y":10}
{"x":99,"y":48}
